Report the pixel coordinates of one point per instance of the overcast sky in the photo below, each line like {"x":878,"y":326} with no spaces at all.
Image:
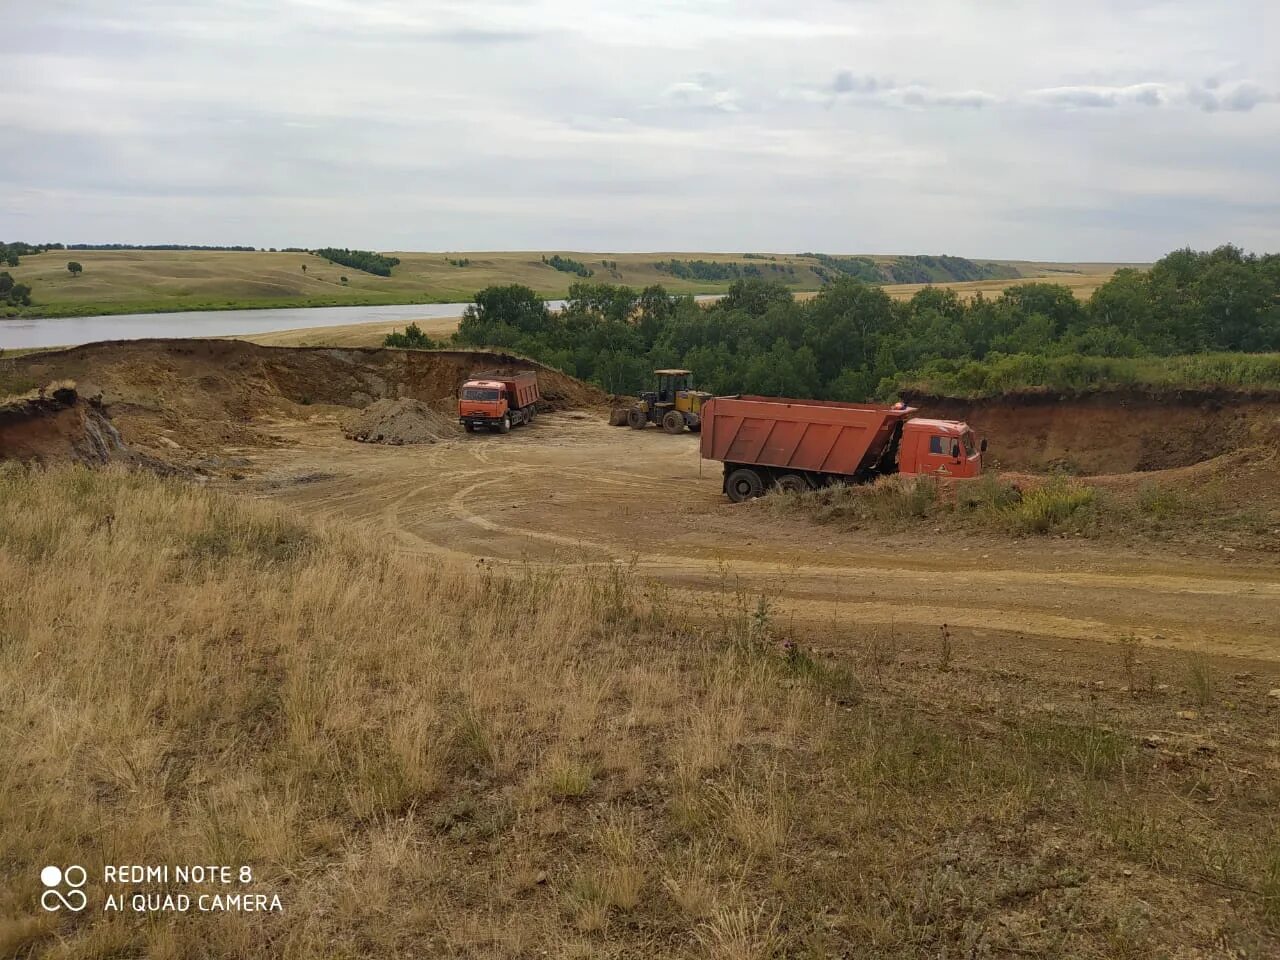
{"x":1099,"y":129}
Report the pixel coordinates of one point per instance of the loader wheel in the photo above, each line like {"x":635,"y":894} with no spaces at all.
{"x":792,"y":482}
{"x":505,"y":426}
{"x":744,"y":484}
{"x":673,"y":422}
{"x":636,"y":419}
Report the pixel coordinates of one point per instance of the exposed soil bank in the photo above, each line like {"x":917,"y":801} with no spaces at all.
{"x":1112,"y":432}
{"x":55,"y":427}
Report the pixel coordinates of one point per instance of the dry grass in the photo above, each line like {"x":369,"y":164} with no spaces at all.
{"x":1180,"y":506}
{"x":428,"y":759}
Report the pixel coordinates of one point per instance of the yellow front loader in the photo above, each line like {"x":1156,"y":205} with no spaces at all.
{"x":674,"y":405}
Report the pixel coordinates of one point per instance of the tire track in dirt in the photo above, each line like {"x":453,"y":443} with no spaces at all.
{"x":572,"y":492}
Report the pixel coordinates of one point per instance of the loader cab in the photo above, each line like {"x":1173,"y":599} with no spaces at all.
{"x":671,"y":383}
{"x":675,"y":391}
{"x":942,"y":448}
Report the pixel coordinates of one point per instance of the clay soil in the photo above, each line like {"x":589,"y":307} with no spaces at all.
{"x":570,"y":489}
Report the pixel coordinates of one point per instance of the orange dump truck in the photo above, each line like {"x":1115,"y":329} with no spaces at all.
{"x":498,"y":401}
{"x":767,"y":442}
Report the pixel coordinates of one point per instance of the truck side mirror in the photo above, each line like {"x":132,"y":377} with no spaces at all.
{"x":982,"y":447}
{"x":955,"y":448}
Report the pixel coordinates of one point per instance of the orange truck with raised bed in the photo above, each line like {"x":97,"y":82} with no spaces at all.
{"x":498,"y":401}
{"x":774,"y":442}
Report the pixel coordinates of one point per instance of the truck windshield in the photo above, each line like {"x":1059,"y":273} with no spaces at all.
{"x":969,"y":446}
{"x":479,"y":393}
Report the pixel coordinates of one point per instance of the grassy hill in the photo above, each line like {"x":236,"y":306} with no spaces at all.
{"x":140,"y":281}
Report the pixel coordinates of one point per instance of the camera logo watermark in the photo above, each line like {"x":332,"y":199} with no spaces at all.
{"x":53,"y":878}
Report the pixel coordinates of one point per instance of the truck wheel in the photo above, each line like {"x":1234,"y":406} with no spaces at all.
{"x":533,"y":412}
{"x":673,"y":422}
{"x":636,"y":419}
{"x":744,"y":484}
{"x":793,"y":482}
{"x":505,"y":426}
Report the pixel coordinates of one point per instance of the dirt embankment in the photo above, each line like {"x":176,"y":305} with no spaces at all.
{"x":1113,"y":432}
{"x":202,"y":396}
{"x":57,"y":425}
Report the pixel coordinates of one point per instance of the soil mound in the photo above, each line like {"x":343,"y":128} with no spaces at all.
{"x":55,"y":425}
{"x":1113,"y":431}
{"x":400,"y":421}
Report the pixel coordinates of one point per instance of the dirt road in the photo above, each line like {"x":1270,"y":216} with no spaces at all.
{"x":571,"y":490}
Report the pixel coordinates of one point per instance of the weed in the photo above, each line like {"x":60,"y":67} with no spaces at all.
{"x":944,"y":649}
{"x":1159,"y":501}
{"x":1129,"y":646}
{"x":736,"y":933}
{"x":1200,"y":679}
{"x":568,"y":778}
{"x":1094,"y":750}
{"x":755,"y":819}
{"x":1048,"y":508}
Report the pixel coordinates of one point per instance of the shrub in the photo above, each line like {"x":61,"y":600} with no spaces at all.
{"x":412,"y":339}
{"x":1045,"y":509}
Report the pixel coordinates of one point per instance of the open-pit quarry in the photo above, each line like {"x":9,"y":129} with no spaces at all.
{"x":569,"y":489}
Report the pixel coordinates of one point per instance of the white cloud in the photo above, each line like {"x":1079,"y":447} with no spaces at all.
{"x":728,"y":124}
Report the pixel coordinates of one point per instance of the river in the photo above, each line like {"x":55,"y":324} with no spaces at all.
{"x":17,"y":333}
{"x":27,"y":332}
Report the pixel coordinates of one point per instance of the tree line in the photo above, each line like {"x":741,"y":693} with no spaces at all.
{"x":853,"y":342}
{"x":567,"y":265}
{"x":366,"y":260}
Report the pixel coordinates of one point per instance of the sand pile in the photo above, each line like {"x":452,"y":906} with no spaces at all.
{"x":400,"y":421}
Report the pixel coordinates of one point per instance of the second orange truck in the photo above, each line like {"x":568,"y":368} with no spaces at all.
{"x":767,"y":442}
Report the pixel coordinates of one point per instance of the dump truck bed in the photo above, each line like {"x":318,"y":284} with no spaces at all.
{"x":522,"y":387}
{"x":820,"y":436}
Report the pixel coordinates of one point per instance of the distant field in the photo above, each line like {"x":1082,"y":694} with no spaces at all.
{"x":125,"y":281}
{"x":1081,"y":284}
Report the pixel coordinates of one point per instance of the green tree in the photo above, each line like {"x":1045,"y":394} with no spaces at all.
{"x":14,"y":294}
{"x":75,"y":268}
{"x":513,"y":306}
{"x":413,"y":338}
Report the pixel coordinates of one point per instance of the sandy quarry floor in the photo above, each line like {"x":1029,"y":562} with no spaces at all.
{"x":569,"y":489}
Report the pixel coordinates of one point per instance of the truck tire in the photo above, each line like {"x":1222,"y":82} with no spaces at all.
{"x":793,"y":482}
{"x":743,"y":484}
{"x":673,"y":422}
{"x":636,"y":419}
{"x":505,"y":426}
{"x":533,"y":412}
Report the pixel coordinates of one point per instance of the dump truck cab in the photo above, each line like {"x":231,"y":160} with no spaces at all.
{"x":483,"y":400}
{"x":674,"y":405}
{"x":944,"y":448}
